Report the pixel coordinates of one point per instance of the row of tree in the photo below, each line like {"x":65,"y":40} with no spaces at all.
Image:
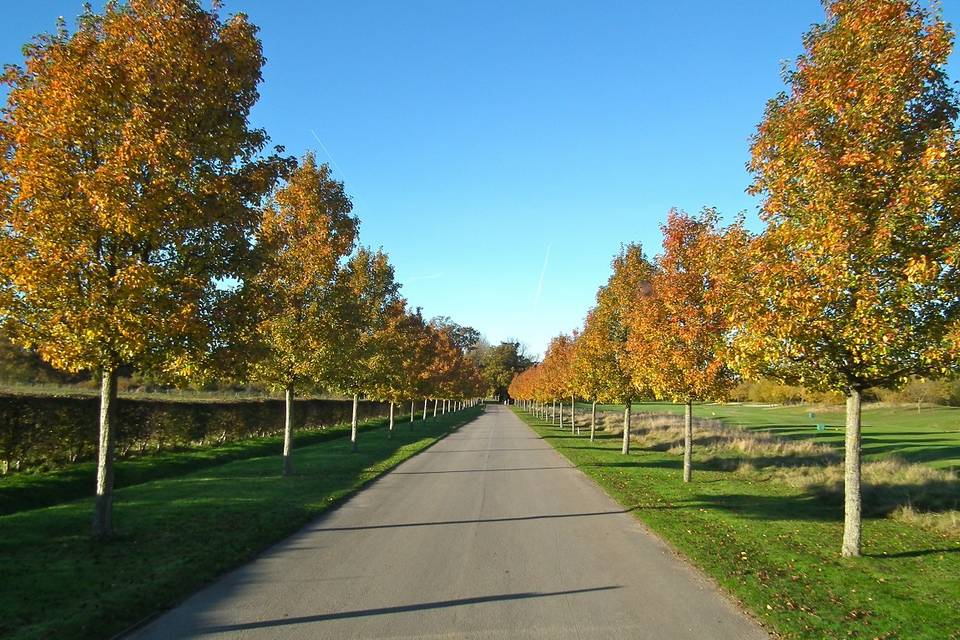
{"x":855,"y":280}
{"x":143,"y":225}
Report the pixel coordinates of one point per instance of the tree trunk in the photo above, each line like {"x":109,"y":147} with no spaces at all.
{"x":561,"y":415}
{"x":288,"y":432}
{"x":593,"y":420}
{"x":353,"y":423}
{"x":390,"y":429}
{"x":573,"y":415}
{"x":851,"y":478}
{"x":411,"y":411}
{"x":435,"y":403}
{"x":688,"y":440}
{"x":425,"y":408}
{"x":103,"y":503}
{"x":626,"y":429}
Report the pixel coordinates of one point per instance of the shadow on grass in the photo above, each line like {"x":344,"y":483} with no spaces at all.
{"x":174,"y":535}
{"x":26,"y":491}
{"x":825,"y":501}
{"x":756,"y":507}
{"x":919,"y":553}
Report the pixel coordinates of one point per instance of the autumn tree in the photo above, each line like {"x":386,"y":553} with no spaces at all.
{"x":522,"y":387}
{"x":397,"y":346}
{"x":306,"y":232}
{"x":556,"y":370}
{"x":368,"y":292}
{"x":856,"y":281}
{"x":628,"y":286}
{"x":446,"y":356}
{"x":417,"y":358}
{"x":678,"y":336}
{"x":130,"y":184}
{"x":594,"y":365}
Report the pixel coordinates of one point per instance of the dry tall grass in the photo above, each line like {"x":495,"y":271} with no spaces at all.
{"x":905,"y":491}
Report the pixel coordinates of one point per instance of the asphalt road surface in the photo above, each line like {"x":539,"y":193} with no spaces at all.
{"x":488,"y":534}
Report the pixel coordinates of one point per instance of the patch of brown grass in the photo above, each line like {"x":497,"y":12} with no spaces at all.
{"x":891,"y":487}
{"x":664,"y":432}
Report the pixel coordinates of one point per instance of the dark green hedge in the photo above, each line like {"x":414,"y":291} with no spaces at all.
{"x":49,"y":431}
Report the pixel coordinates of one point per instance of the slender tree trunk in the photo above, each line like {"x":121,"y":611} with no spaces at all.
{"x":561,"y":415}
{"x":411,"y":412}
{"x":353,"y":423}
{"x":573,"y":416}
{"x":553,"y":414}
{"x":425,"y":408}
{"x":851,"y":478}
{"x":626,"y":429}
{"x":688,"y":440}
{"x":390,"y":429}
{"x":288,"y":432}
{"x":435,"y":404}
{"x":593,"y":420}
{"x":103,"y":503}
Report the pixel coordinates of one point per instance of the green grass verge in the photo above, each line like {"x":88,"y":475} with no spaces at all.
{"x":776,"y":549}
{"x":176,"y":534}
{"x":930,"y":435}
{"x":33,"y":490}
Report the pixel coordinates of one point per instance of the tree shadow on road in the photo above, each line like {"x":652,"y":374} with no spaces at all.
{"x":403,"y":525}
{"x":423,"y":606}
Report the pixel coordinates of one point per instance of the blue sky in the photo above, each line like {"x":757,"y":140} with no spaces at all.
{"x":501,"y":151}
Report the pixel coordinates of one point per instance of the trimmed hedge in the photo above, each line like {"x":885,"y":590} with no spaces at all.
{"x":50,"y":431}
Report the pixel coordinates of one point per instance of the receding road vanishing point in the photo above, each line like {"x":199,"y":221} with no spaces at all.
{"x":488,"y":534}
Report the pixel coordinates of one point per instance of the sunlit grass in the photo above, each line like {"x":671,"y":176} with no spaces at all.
{"x":176,"y":533}
{"x":775,"y":545}
{"x":930,"y":435}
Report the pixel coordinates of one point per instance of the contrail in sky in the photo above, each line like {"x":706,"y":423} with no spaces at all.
{"x":429,"y":276}
{"x":543,"y":272}
{"x":332,"y":161}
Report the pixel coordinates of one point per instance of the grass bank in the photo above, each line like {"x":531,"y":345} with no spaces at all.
{"x":930,"y":435}
{"x":34,"y":490}
{"x":177,"y":533}
{"x":775,"y":546}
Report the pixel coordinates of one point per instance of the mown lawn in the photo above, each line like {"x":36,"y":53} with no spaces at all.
{"x":776,"y":548}
{"x":32,"y":490}
{"x":177,"y":533}
{"x":930,"y":436}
